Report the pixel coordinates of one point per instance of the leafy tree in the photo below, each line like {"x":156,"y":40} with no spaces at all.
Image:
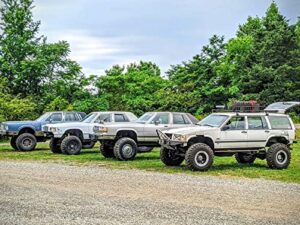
{"x":132,"y":88}
{"x":31,"y":65}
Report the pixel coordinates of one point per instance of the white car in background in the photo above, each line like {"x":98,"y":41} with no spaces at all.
{"x":72,"y":137}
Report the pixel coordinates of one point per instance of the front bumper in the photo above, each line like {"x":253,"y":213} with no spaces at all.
{"x":167,"y":142}
{"x":93,"y":137}
{"x":8,"y":133}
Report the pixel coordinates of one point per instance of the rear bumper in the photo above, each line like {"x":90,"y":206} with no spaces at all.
{"x":8,"y":133}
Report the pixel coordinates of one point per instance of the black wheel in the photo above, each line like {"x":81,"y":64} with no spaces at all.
{"x":71,"y":145}
{"x":55,"y":145}
{"x":13,"y":143}
{"x":125,"y":149}
{"x":107,"y":151}
{"x":278,"y":156}
{"x":243,"y":157}
{"x":169,"y":158}
{"x":199,"y":157}
{"x":26,"y":142}
{"x":89,"y":145}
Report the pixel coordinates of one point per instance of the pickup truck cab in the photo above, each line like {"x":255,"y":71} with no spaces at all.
{"x":25,"y":134}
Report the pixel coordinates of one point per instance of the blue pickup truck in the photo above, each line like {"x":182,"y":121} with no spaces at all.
{"x":25,"y":134}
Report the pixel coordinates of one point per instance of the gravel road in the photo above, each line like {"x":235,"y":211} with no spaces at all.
{"x":49,"y":193}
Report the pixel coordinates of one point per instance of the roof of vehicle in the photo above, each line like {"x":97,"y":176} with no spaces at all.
{"x":250,"y":114}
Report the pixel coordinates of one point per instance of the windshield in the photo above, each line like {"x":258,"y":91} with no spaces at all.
{"x":282,"y":105}
{"x":213,"y":120}
{"x":89,"y":118}
{"x":43,"y":117}
{"x":144,"y":118}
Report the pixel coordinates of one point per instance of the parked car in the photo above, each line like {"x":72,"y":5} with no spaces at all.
{"x":123,"y":141}
{"x":72,"y":137}
{"x":25,"y":134}
{"x":248,"y":136}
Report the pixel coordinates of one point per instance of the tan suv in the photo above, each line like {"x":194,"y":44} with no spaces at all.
{"x":265,"y":135}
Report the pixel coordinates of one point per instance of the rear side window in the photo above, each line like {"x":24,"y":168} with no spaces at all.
{"x":70,"y":117}
{"x":180,"y":119}
{"x":121,"y":118}
{"x":280,"y":122}
{"x":257,"y":122}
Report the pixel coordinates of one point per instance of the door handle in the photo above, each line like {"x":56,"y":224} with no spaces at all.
{"x":244,"y":132}
{"x":166,"y":126}
{"x":267,"y":131}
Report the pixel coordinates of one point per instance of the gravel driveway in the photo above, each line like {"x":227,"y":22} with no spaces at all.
{"x":49,"y":193}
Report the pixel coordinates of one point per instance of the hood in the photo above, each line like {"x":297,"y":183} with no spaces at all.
{"x":123,"y":125}
{"x":69,"y":125}
{"x":29,"y":122}
{"x":190,"y":130}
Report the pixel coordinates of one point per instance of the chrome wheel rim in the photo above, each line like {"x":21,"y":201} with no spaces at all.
{"x":201,"y":158}
{"x":127,"y":150}
{"x":281,"y":157}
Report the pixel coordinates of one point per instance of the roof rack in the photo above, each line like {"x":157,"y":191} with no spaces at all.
{"x":241,"y":109}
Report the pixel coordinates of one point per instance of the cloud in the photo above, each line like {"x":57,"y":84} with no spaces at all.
{"x":85,"y":47}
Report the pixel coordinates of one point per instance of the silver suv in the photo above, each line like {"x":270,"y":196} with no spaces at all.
{"x":123,"y":141}
{"x":246,"y":135}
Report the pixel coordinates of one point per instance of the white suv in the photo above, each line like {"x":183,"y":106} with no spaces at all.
{"x":246,"y":135}
{"x":69,"y":138}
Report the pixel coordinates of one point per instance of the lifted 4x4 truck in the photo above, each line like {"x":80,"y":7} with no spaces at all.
{"x":25,"y":134}
{"x":124,"y":141}
{"x":72,"y":137}
{"x":265,"y":135}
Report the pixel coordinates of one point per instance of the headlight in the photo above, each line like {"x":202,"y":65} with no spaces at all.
{"x":54,"y":129}
{"x":179,"y":137}
{"x":98,"y":129}
{"x":3,"y":126}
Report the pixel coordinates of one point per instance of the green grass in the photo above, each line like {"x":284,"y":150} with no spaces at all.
{"x":223,"y":166}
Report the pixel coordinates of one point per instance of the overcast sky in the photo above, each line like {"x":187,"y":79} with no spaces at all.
{"x":107,"y":32}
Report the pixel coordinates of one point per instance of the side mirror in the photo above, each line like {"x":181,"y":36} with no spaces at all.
{"x":156,"y":122}
{"x":226,"y":127}
{"x":50,"y":120}
{"x":101,"y":122}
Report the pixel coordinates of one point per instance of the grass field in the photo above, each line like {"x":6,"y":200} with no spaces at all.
{"x":223,"y":166}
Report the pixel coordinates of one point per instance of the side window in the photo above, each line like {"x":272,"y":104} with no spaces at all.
{"x":186,"y":120}
{"x":161,"y":118}
{"x":70,"y":117}
{"x":178,"y":119}
{"x":121,"y":118}
{"x":55,"y":117}
{"x":257,"y":122}
{"x":280,"y":122}
{"x":104,"y":118}
{"x":236,"y":123}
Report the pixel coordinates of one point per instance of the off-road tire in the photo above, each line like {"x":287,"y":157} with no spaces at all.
{"x":168,"y":157}
{"x":71,"y":145}
{"x":107,"y":151}
{"x":13,"y":143}
{"x":125,"y":149}
{"x":89,"y":145}
{"x":275,"y":152}
{"x":199,"y":150}
{"x":55,"y":145}
{"x":245,"y":158}
{"x":26,"y":142}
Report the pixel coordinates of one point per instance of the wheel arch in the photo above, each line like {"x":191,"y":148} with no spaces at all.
{"x":277,"y":139}
{"x":74,"y":132}
{"x":201,"y":139}
{"x":26,"y":129}
{"x":126,"y":133}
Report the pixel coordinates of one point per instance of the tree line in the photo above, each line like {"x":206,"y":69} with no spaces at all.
{"x":262,"y":62}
